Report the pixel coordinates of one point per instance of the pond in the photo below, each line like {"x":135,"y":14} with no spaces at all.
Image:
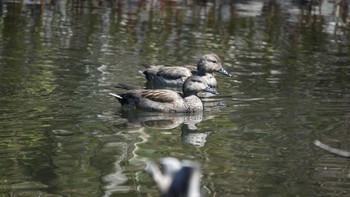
{"x":62,"y":134}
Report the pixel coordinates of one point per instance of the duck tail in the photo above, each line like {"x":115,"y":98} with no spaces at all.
{"x":142,"y":73}
{"x":148,"y":74}
{"x":116,"y":96}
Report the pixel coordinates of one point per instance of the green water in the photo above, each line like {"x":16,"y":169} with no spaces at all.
{"x":61,"y":134}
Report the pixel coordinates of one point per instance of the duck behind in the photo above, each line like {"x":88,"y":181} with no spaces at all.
{"x":174,"y":76}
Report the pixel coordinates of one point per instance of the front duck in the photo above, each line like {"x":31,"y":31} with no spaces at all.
{"x":162,"y":100}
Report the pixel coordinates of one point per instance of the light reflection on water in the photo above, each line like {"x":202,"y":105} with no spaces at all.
{"x":62,"y":135}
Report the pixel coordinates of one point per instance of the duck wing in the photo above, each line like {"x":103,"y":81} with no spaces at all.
{"x":174,"y":72}
{"x":164,"y":96}
{"x":191,"y":68}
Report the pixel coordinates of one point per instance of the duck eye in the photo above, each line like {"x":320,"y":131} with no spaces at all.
{"x":214,"y":61}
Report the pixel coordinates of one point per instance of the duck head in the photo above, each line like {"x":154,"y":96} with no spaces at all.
{"x":210,"y":63}
{"x":195,"y":84}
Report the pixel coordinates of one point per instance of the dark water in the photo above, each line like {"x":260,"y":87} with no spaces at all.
{"x":62,"y":135}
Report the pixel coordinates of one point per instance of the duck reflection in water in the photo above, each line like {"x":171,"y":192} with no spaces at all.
{"x":186,"y":121}
{"x":176,"y":178}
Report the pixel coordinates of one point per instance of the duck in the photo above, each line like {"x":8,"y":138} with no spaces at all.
{"x":164,"y":100}
{"x":174,"y":76}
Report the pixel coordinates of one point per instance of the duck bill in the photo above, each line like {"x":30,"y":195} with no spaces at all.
{"x":224,"y":72}
{"x":211,"y":90}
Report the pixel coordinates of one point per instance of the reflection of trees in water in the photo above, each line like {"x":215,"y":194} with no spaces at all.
{"x":165,"y":16}
{"x":166,"y":30}
{"x":163,"y":31}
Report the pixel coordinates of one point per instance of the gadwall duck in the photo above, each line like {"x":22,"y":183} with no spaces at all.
{"x":162,"y":100}
{"x":174,"y":76}
{"x":177,"y":178}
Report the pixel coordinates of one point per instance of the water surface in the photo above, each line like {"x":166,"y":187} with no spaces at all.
{"x":63,"y":135}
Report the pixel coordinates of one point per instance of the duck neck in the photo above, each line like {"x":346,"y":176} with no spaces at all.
{"x":201,"y":72}
{"x":188,"y":93}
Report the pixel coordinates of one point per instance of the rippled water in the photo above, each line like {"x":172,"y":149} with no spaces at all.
{"x":62,"y":135}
